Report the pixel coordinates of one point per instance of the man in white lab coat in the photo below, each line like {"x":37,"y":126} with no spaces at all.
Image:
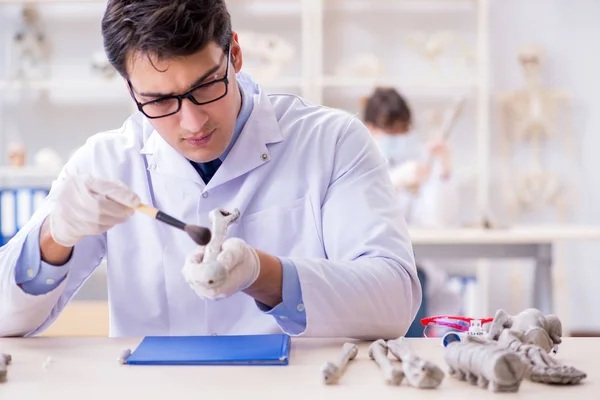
{"x":320,"y":248}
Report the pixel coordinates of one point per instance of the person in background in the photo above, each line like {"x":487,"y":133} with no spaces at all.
{"x":420,"y":173}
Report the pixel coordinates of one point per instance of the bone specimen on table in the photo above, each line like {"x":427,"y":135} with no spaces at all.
{"x":541,"y":330}
{"x":378,"y":352}
{"x":418,"y":372}
{"x":541,"y":366}
{"x":332,"y":371}
{"x":212,"y":273}
{"x":487,"y":366}
{"x":5,"y":360}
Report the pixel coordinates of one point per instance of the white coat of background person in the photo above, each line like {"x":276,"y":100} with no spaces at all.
{"x":312,"y":188}
{"x":422,"y":175}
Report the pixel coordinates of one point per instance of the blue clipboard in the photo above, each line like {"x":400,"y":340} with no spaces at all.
{"x":271,"y":349}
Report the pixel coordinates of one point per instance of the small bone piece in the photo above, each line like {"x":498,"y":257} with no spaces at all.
{"x":485,"y":365}
{"x":541,"y":367}
{"x":419,"y":373}
{"x":46,"y":364}
{"x":378,"y":351}
{"x":5,"y":359}
{"x":333,"y":371}
{"x":124,"y":356}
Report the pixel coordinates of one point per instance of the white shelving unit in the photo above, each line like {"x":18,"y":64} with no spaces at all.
{"x":308,"y":23}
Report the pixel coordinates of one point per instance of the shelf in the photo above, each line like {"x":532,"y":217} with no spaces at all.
{"x":428,"y":88}
{"x":27,"y":172}
{"x":428,"y":6}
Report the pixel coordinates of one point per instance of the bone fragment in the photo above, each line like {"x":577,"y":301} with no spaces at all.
{"x":378,"y":352}
{"x":419,"y":373}
{"x":331,"y":372}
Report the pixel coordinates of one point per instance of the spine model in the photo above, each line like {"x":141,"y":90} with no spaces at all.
{"x":487,"y":366}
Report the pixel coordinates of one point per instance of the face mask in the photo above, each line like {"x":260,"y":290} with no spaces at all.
{"x":399,"y":148}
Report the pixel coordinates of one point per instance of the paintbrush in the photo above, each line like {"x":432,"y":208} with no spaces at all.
{"x":199,"y":234}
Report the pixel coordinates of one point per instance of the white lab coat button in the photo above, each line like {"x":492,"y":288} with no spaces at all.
{"x":205,"y":194}
{"x":152,"y":167}
{"x":300,"y":307}
{"x":30,"y":273}
{"x":49,"y":281}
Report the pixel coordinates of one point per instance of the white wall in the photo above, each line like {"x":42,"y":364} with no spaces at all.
{"x":568,"y":30}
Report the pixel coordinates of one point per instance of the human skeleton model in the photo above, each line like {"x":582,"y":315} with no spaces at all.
{"x":530,"y":114}
{"x":5,"y":359}
{"x":265,"y":54}
{"x":31,"y":47}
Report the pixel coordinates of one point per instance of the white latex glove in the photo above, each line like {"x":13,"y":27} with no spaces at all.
{"x":236,"y":268}
{"x":87,"y":205}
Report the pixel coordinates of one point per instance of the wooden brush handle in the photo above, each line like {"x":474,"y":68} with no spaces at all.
{"x":149,"y":211}
{"x":161,"y":216}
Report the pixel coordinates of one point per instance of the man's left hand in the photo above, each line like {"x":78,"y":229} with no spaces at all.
{"x":236,"y":267}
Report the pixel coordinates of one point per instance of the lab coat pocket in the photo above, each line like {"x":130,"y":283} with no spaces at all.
{"x":285,"y":230}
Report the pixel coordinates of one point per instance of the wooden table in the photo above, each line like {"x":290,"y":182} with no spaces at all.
{"x":87,"y":368}
{"x":533,"y":242}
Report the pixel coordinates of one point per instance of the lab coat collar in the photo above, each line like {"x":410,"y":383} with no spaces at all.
{"x":249,"y":151}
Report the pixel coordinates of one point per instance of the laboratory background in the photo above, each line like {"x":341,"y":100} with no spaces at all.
{"x":497,"y":102}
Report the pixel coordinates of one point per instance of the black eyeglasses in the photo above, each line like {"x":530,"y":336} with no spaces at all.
{"x":204,"y":93}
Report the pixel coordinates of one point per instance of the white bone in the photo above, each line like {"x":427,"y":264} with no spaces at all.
{"x":124,"y":356}
{"x":331,"y":372}
{"x":5,"y":359}
{"x":419,"y":373}
{"x":378,"y":351}
{"x":485,"y":365}
{"x":213,"y":274}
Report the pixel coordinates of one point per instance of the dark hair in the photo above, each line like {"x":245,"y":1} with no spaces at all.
{"x":386,"y":109}
{"x":162,"y":28}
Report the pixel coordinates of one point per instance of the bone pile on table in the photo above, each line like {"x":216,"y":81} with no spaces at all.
{"x":540,"y":366}
{"x":533,"y":335}
{"x":378,"y":351}
{"x":485,"y":365}
{"x":418,"y":372}
{"x":5,"y":360}
{"x":332,"y":371}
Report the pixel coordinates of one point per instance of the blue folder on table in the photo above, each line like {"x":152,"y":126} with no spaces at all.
{"x":212,"y":350}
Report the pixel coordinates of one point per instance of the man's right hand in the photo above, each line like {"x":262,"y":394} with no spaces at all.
{"x":87,"y":205}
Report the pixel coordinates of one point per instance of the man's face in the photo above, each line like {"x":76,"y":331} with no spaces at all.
{"x":200,"y":132}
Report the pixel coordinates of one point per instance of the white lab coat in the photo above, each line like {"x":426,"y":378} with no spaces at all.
{"x":310,"y":185}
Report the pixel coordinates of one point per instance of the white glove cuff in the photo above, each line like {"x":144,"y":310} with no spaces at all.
{"x":255,"y":269}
